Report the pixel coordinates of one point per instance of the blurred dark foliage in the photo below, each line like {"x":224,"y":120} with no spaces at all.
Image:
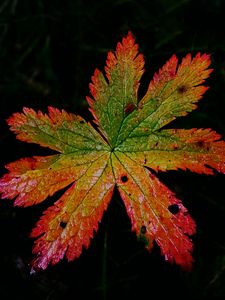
{"x":48,"y":52}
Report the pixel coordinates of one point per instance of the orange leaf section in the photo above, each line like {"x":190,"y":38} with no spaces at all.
{"x":155,"y":213}
{"x":176,"y":88}
{"x":198,"y":150}
{"x":118,"y":64}
{"x":190,"y":73}
{"x":32,"y":180}
{"x":68,"y":226}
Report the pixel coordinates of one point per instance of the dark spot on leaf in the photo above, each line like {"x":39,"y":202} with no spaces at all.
{"x":175,"y":147}
{"x":182,"y":89}
{"x":129,"y":108}
{"x":156,"y":144}
{"x":124,"y":178}
{"x":200,"y":144}
{"x":62,"y":225}
{"x":143,"y":229}
{"x":145,"y":160}
{"x":129,"y":194}
{"x":174,"y":209}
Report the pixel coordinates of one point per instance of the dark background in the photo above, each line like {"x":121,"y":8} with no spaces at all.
{"x":48,"y":52}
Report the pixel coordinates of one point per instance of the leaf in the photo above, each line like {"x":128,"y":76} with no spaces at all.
{"x":32,"y":180}
{"x":58,"y":130}
{"x":173,"y":92}
{"x":170,"y":149}
{"x":126,"y":143}
{"x":69,"y":225}
{"x":124,"y":69}
{"x":147,"y":202}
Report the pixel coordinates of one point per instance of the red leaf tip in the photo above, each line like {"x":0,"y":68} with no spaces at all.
{"x":129,"y":39}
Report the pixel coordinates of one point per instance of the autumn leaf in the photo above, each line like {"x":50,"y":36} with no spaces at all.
{"x":122,"y":149}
